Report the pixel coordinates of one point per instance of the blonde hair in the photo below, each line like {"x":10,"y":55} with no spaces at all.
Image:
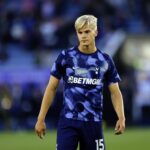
{"x":86,"y":21}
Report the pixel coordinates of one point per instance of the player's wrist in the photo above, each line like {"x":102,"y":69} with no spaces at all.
{"x":122,"y":118}
{"x":41,"y":119}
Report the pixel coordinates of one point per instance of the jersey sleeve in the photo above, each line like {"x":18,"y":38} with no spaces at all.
{"x":112,"y":75}
{"x":57,"y":68}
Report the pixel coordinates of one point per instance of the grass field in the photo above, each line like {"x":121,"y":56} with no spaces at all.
{"x":132,"y":139}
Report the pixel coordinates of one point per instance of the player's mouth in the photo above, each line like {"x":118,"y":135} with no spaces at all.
{"x":84,"y":41}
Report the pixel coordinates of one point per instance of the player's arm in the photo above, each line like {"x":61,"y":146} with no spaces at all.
{"x":48,"y":97}
{"x":118,"y":105}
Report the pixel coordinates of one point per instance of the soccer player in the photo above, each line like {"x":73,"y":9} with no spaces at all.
{"x":84,"y":68}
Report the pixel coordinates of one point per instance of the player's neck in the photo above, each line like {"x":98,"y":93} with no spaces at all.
{"x":87,"y":48}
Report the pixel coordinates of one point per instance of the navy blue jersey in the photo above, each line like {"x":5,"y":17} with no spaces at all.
{"x":83,"y":78}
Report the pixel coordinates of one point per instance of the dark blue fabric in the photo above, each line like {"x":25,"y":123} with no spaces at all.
{"x":83,"y":78}
{"x":71,"y":132}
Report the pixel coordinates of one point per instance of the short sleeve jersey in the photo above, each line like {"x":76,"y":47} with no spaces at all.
{"x":83,"y":79}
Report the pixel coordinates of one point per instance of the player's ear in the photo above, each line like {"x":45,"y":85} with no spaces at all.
{"x":96,"y":33}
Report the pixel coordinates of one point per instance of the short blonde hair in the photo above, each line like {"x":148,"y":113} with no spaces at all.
{"x":86,"y":21}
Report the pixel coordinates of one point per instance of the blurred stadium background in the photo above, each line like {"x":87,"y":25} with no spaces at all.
{"x":32,"y":34}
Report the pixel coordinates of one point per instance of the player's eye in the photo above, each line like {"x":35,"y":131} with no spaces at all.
{"x":87,"y":31}
{"x":79,"y":32}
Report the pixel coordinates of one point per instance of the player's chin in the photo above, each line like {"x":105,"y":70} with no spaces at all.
{"x":85,"y":44}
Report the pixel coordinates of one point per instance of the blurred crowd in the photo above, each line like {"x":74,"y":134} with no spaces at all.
{"x":47,"y":25}
{"x":39,"y":24}
{"x":20,"y":104}
{"x":17,"y":105}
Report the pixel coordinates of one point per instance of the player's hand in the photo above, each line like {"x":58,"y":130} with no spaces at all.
{"x":40,"y":129}
{"x":120,"y":126}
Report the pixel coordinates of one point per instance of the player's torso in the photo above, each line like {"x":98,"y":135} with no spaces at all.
{"x":83,"y":81}
{"x":85,"y":69}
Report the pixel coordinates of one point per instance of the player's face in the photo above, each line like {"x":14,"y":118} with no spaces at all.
{"x":86,"y":36}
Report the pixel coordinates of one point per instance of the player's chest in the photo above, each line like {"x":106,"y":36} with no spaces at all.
{"x":85,"y":67}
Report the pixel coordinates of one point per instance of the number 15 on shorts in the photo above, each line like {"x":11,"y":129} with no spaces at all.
{"x":99,"y":144}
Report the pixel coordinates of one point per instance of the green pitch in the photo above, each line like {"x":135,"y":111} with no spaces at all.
{"x":133,"y":139}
